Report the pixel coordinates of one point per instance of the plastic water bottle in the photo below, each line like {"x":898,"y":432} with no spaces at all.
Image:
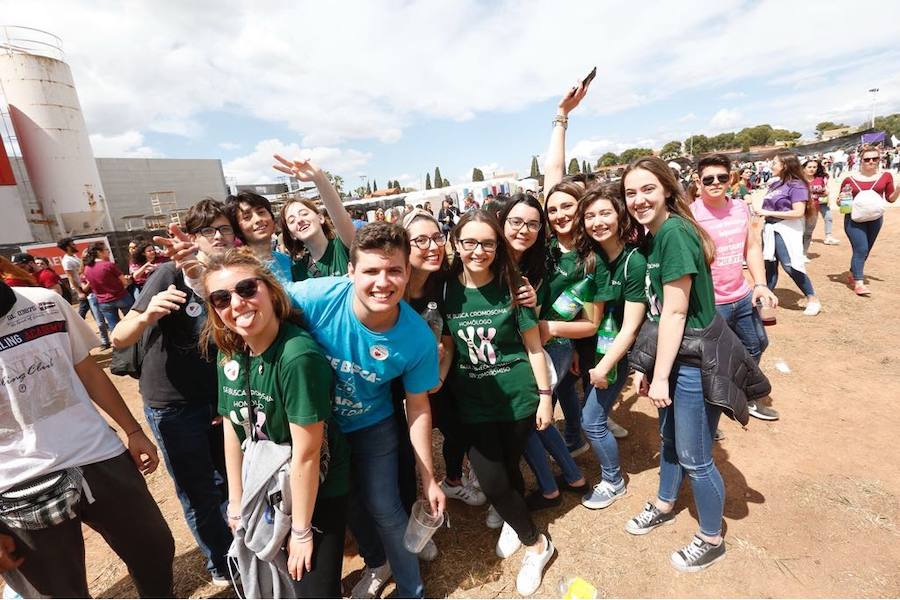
{"x":434,"y":320}
{"x":606,"y":334}
{"x":845,"y":200}
{"x":574,"y":587}
{"x":569,"y":303}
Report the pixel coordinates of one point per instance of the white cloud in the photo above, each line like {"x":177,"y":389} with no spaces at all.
{"x":732,"y":95}
{"x":256,"y":167}
{"x":228,"y":145}
{"x":688,"y":117}
{"x":129,"y":144}
{"x":726,"y":118}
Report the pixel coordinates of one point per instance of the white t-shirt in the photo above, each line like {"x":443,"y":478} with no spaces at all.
{"x":71,"y":263}
{"x":47,"y":420}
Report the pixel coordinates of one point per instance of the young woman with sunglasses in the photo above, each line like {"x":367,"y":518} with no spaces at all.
{"x":500,"y":381}
{"x":679,"y":292}
{"x":862,"y":236}
{"x":317,"y":246}
{"x":263,"y":349}
{"x":607,"y":232}
{"x":525,"y":233}
{"x":783,"y":208}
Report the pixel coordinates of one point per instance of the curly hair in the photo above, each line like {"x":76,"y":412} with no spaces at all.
{"x":629,"y":231}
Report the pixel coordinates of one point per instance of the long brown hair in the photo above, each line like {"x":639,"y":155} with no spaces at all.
{"x":675,"y":200}
{"x":503,"y":266}
{"x":297,"y":249}
{"x":790,"y":169}
{"x":434,"y":280}
{"x":215,"y":331}
{"x":629,"y":231}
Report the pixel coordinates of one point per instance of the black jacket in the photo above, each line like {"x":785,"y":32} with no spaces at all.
{"x":730,"y":376}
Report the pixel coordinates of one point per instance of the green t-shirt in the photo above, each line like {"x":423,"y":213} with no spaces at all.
{"x":291,"y":382}
{"x":333,"y":263}
{"x":563,"y":270}
{"x":492,"y":378}
{"x":676,"y":251}
{"x":623,"y":284}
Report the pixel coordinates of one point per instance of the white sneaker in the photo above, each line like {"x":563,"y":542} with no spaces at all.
{"x":468,"y":494}
{"x":221,"y":581}
{"x":372,"y":582}
{"x":508,"y":542}
{"x":429,"y":552}
{"x":529,"y":579}
{"x":470,"y":479}
{"x":493,"y":520}
{"x":830,"y":241}
{"x":812,"y":309}
{"x":617,"y":430}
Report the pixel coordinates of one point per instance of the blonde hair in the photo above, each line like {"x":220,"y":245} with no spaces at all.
{"x":215,"y":332}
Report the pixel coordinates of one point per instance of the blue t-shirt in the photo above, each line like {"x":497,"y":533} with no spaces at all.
{"x":280,"y":265}
{"x":365,"y":361}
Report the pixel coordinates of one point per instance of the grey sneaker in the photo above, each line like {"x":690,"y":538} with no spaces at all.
{"x":648,"y":519}
{"x":719,"y":435}
{"x":493,"y":520}
{"x":617,"y":430}
{"x":697,"y":555}
{"x":759,"y":411}
{"x":604,"y":494}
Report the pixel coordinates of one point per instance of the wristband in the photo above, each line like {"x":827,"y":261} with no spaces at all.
{"x":302,"y":535}
{"x":545,"y":392}
{"x":760,"y":285}
{"x":138,"y":430}
{"x":561,"y":121}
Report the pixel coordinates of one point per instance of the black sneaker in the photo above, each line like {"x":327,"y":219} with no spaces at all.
{"x":719,"y":435}
{"x":765,"y":413}
{"x":565,"y":486}
{"x":648,"y":519}
{"x":536,"y":501}
{"x":697,"y":555}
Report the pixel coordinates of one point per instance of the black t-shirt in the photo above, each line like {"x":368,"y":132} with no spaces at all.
{"x":174,"y":371}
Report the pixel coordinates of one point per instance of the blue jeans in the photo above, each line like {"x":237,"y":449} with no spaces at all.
{"x":593,"y":420}
{"x":744,"y":320}
{"x":110,"y":310}
{"x":825,"y":211}
{"x":561,"y":353}
{"x":550,"y":440}
{"x":687,"y":427}
{"x":183,"y":433}
{"x":862,"y":237}
{"x":376,"y":516}
{"x":782,"y":256}
{"x":94,"y":307}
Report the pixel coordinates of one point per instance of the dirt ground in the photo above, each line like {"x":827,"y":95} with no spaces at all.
{"x":812,"y":499}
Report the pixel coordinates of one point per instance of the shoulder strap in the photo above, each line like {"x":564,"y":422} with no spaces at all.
{"x":627,"y":258}
{"x":853,"y":181}
{"x":250,"y":423}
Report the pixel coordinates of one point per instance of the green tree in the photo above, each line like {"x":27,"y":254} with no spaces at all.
{"x":438,"y":180}
{"x":697,"y":144}
{"x":574,"y":168}
{"x":786,"y":135}
{"x":360,"y":191}
{"x":825,"y":126}
{"x":374,"y":186}
{"x":427,"y":181}
{"x":535,"y":171}
{"x":446,"y":183}
{"x":477,"y":175}
{"x":584,"y":167}
{"x":671,"y":150}
{"x":723,"y":141}
{"x":336,"y":180}
{"x":607,"y":160}
{"x":632,"y":153}
{"x":368,"y":189}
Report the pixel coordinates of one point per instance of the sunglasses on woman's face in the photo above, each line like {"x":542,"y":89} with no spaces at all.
{"x":873,"y":159}
{"x":245,"y":288}
{"x":721,"y":178}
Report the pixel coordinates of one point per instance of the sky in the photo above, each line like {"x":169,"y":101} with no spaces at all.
{"x":388,"y":89}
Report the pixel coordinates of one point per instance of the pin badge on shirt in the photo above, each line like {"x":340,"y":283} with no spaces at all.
{"x":193,"y":310}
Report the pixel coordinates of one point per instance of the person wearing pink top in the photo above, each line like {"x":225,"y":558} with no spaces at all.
{"x":727,"y":221}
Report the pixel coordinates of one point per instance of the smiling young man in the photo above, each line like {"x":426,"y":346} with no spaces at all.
{"x":251,"y":218}
{"x":178,"y":386}
{"x":372,"y":337}
{"x":727,"y":221}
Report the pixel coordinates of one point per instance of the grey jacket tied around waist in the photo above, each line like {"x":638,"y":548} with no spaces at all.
{"x":258,"y":546}
{"x":730,"y":376}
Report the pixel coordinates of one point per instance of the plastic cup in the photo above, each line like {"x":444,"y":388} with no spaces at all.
{"x":421,"y":527}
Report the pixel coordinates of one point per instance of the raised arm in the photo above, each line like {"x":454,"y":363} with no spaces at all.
{"x":555,"y":162}
{"x":304,"y":170}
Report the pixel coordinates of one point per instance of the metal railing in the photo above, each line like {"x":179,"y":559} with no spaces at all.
{"x":15,"y":39}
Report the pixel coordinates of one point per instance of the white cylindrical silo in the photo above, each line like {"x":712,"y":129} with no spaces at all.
{"x":51,"y":132}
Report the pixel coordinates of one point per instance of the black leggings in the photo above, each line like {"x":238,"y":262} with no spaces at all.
{"x":495,"y":452}
{"x":324,"y":581}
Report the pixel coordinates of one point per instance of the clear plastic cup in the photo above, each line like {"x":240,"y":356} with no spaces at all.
{"x":421,"y":527}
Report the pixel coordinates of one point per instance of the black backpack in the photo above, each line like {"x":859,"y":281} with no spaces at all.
{"x":128,"y":361}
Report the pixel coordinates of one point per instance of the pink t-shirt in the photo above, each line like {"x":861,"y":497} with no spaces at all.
{"x":728,"y":229}
{"x":104,"y":279}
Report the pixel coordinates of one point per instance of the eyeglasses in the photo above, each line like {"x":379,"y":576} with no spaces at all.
{"x":517,"y":223}
{"x":210,"y":231}
{"x":423,"y":242}
{"x":873,"y":159}
{"x":721,"y":178}
{"x":245,"y":288}
{"x":470,"y":244}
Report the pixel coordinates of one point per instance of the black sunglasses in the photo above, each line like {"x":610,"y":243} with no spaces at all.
{"x":721,"y":178}
{"x":245,"y":288}
{"x":872,"y":159}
